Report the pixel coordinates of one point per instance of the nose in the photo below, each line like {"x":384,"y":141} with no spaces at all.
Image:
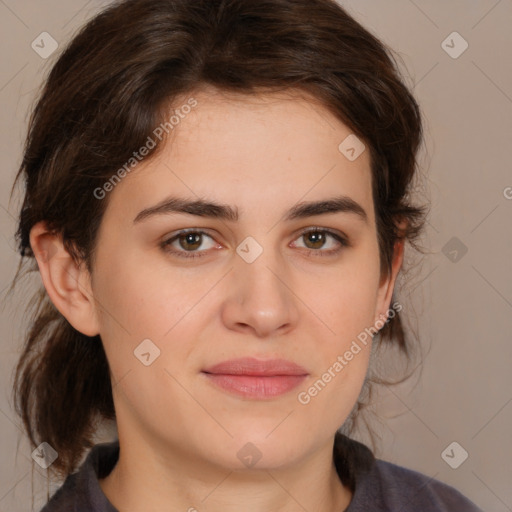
{"x":261,"y":300}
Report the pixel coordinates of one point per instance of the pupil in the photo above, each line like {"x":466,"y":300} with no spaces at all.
{"x":192,"y":239}
{"x":319,"y":238}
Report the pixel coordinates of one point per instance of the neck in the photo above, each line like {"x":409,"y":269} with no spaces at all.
{"x":143,"y":479}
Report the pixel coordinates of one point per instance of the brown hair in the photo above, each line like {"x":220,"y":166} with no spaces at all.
{"x":108,"y":91}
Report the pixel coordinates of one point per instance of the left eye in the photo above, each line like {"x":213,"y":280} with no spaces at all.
{"x":191,"y":240}
{"x":317,"y":238}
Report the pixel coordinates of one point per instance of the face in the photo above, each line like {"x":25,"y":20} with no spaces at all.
{"x":259,"y":286}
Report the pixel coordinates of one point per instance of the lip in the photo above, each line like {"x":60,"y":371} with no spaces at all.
{"x":256,"y":367}
{"x":254,"y":378}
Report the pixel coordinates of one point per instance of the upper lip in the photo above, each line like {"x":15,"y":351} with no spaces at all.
{"x":256,"y":367}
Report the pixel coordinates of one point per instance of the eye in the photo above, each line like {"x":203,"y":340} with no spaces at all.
{"x":186,"y":243}
{"x":188,"y":240}
{"x":316,"y":239}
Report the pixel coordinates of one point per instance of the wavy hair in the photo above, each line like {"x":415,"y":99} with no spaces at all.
{"x":108,"y":90}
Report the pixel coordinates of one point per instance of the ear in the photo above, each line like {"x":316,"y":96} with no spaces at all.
{"x":67,"y":284}
{"x":387,"y":284}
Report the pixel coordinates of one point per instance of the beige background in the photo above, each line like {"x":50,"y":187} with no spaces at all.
{"x":463,"y":309}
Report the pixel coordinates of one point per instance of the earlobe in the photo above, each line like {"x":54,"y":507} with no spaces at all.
{"x":387,"y":287}
{"x":67,"y":284}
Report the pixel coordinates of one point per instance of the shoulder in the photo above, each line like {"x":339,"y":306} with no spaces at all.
{"x":66,"y":496}
{"x":81,"y":491}
{"x":399,"y":488}
{"x":380,"y":486}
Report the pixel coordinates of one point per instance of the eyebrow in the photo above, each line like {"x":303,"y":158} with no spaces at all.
{"x":213,"y":210}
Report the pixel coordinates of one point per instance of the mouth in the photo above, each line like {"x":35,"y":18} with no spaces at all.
{"x":257,"y":379}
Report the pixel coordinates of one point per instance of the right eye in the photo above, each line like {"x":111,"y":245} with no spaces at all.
{"x":186,"y":239}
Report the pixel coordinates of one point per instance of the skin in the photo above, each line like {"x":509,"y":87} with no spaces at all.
{"x":179,"y":435}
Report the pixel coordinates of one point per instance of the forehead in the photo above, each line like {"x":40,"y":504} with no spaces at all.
{"x":238,"y":123}
{"x":267,"y":150}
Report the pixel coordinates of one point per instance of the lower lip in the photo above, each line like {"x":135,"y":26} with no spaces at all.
{"x":252,"y":386}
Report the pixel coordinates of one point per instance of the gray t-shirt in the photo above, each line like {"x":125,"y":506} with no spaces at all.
{"x":377,"y":486}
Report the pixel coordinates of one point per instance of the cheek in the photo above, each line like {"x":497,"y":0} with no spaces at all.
{"x":348,"y":305}
{"x":137,"y":298}
{"x":342,"y":358}
{"x":141,"y":301}
{"x":349,"y":302}
{"x":137,"y":306}
{"x":351,"y":317}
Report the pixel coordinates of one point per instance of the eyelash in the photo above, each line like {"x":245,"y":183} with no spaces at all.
{"x":318,"y":252}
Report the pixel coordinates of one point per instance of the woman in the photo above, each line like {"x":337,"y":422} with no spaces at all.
{"x":217,"y":201}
